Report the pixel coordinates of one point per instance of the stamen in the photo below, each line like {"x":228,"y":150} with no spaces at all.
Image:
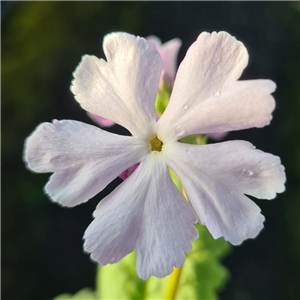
{"x":156,"y":144}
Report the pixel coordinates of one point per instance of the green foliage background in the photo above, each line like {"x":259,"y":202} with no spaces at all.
{"x":42,"y":43}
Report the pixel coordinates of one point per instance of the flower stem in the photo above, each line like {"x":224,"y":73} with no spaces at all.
{"x":173,"y":284}
{"x":98,"y":288}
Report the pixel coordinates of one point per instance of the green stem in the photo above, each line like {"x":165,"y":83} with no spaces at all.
{"x":98,"y":285}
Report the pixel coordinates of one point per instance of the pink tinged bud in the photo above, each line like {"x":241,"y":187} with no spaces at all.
{"x":129,"y":171}
{"x":165,"y":78}
{"x":217,"y":135}
{"x":101,"y":121}
{"x":168,"y":53}
{"x":156,"y":116}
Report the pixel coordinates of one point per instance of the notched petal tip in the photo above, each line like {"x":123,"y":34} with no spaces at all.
{"x":226,"y":40}
{"x":161,"y":272}
{"x":273,"y":85}
{"x":281,"y":179}
{"x":115,"y":40}
{"x":81,"y":69}
{"x":25,"y":157}
{"x":118,"y":35}
{"x":31,"y":152}
{"x":56,"y":122}
{"x":250,"y":234}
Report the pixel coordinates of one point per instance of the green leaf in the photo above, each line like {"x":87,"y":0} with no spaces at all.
{"x":203,"y":275}
{"x":195,"y":139}
{"x":63,"y":297}
{"x":84,"y":294}
{"x":120,"y":281}
{"x":175,"y":179}
{"x":162,"y":98}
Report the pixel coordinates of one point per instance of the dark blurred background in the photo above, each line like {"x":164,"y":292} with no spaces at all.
{"x":42,"y":43}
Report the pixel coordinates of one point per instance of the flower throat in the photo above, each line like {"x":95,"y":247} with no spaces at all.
{"x":156,"y":144}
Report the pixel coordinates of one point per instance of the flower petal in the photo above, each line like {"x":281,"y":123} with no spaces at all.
{"x":145,"y":212}
{"x":83,"y":158}
{"x":216,"y":177}
{"x":154,"y":41}
{"x":124,"y":88}
{"x":207,"y":98}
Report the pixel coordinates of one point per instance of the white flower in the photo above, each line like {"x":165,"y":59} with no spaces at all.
{"x":146,"y":211}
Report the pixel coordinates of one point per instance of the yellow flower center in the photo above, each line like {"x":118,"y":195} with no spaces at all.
{"x":156,"y":144}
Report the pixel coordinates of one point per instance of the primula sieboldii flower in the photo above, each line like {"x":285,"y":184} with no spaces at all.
{"x":168,"y":53}
{"x":147,"y":212}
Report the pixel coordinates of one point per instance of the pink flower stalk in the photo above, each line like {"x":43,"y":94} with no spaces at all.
{"x":147,"y":212}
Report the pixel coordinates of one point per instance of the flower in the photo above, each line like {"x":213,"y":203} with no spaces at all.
{"x":147,"y":212}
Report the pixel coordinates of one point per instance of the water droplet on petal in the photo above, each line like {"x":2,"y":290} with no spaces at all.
{"x":179,"y":130}
{"x":217,"y":94}
{"x":185,"y":107}
{"x":248,"y":172}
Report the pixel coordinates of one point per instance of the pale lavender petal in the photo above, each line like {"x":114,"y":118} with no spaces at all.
{"x":154,"y":41}
{"x":169,"y":53}
{"x":146,"y":212}
{"x":124,"y":88}
{"x":216,"y":177}
{"x":83,"y":158}
{"x":207,"y":98}
{"x":101,"y":121}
